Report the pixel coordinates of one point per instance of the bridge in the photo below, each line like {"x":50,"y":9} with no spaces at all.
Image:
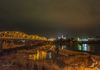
{"x":12,"y":39}
{"x":19,"y":35}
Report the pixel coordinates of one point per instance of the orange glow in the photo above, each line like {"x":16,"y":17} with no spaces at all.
{"x":40,"y":55}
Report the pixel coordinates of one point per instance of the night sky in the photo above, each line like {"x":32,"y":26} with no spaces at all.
{"x":51,"y":17}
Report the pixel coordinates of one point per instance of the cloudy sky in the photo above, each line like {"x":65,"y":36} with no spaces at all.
{"x":51,"y":16}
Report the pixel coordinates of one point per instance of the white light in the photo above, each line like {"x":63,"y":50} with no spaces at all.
{"x":59,"y":37}
{"x":79,"y":47}
{"x":85,"y":47}
{"x":64,"y":37}
{"x":51,"y":39}
{"x":82,"y":39}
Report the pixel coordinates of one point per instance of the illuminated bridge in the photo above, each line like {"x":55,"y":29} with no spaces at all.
{"x":11,"y":39}
{"x":19,"y":35}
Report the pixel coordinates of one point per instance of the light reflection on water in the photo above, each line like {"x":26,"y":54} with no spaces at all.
{"x":44,"y":55}
{"x":47,"y":57}
{"x":80,"y":47}
{"x":40,"y":55}
{"x":71,"y":61}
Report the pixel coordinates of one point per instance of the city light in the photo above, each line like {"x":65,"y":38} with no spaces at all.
{"x":51,"y":39}
{"x":49,"y":34}
{"x":82,"y":39}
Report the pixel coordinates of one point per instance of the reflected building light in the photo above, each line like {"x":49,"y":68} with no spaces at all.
{"x":37,"y":55}
{"x":85,"y":47}
{"x":40,"y":55}
{"x":79,"y":47}
{"x":43,"y":54}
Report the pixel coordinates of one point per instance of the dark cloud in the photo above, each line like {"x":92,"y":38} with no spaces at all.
{"x":50,"y":15}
